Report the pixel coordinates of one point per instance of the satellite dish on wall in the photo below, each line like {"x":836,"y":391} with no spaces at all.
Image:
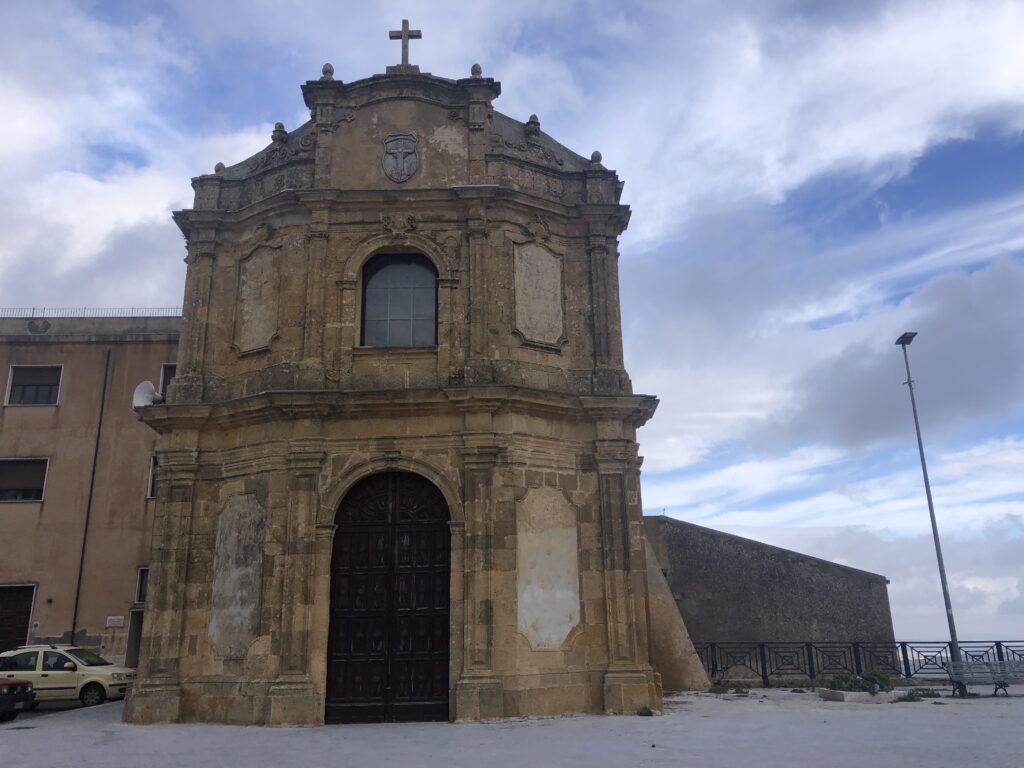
{"x":145,"y":394}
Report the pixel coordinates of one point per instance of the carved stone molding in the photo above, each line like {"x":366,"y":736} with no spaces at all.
{"x":398,"y":224}
{"x":539,"y":228}
{"x":539,"y":314}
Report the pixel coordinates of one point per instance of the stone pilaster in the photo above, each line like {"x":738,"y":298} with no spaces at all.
{"x":322,"y":112}
{"x":312,"y":367}
{"x":481,"y":92}
{"x":630,"y":682}
{"x":292,"y":697}
{"x":187,"y":385}
{"x":478,"y":365}
{"x":157,"y":693}
{"x":478,"y":693}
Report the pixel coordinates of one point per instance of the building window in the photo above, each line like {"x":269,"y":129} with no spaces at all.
{"x":399,"y":301}
{"x":151,"y":485}
{"x":34,"y":385}
{"x":140,"y":589}
{"x":22,"y":479}
{"x":167,"y":371}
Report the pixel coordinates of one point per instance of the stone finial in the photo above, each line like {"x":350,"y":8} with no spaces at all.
{"x":328,"y":71}
{"x":219,"y":167}
{"x":532,"y":126}
{"x":279,"y":134}
{"x":476,"y":71}
{"x":595,"y":157}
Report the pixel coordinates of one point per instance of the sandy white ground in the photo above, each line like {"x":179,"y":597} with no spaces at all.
{"x":765,"y":729}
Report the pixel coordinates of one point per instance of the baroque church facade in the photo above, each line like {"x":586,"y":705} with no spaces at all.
{"x":398,"y":475}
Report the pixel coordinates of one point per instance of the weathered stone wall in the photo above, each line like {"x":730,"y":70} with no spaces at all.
{"x":522,"y":414}
{"x":731,"y":589}
{"x":672,"y":651}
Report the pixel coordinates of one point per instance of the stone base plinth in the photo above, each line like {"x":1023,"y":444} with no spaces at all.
{"x":479,"y":699}
{"x":293,"y":703}
{"x":625,"y":693}
{"x":153,"y":703}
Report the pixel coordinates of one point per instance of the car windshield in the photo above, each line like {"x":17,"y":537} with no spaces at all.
{"x":87,"y":657}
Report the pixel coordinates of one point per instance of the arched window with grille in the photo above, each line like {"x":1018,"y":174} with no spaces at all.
{"x":399,"y":301}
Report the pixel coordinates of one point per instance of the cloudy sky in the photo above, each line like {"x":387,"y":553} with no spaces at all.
{"x":808,"y":180}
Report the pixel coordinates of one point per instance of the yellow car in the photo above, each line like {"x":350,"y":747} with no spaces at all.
{"x":66,"y":673}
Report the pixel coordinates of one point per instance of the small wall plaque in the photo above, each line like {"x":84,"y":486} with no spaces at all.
{"x":115,"y":622}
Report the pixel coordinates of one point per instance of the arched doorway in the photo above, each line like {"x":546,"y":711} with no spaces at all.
{"x":387,"y":647}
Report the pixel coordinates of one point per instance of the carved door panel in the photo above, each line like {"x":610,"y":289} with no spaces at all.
{"x":388,"y":641}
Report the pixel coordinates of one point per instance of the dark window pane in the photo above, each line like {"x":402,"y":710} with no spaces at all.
{"x":54,"y":662}
{"x":23,"y":662}
{"x":423,"y":333}
{"x":399,"y":333}
{"x":151,"y":488}
{"x":34,"y":385}
{"x":399,"y":303}
{"x":376,"y":306}
{"x":376,"y":333}
{"x":397,"y":289}
{"x":22,"y":479}
{"x":167,"y":372}
{"x":140,"y":597}
{"x":423,"y":302}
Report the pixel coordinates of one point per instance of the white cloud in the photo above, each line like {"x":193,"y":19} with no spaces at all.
{"x":817,"y":486}
{"x":763,"y":105}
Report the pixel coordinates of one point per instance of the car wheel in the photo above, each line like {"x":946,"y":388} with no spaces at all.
{"x":6,"y":717}
{"x":92,"y":695}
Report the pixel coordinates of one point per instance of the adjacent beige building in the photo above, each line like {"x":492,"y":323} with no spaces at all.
{"x":75,"y":499}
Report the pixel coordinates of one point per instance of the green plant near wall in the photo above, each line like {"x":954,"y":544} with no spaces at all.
{"x":871,"y":682}
{"x":919,"y":694}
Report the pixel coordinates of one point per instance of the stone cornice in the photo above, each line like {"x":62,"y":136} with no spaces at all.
{"x":635,"y":410}
{"x":206,"y":223}
{"x":337,"y":404}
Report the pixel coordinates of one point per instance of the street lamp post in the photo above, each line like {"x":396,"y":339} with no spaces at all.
{"x":954,"y":646}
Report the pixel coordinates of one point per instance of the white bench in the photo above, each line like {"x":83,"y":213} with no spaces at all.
{"x":995,"y":673}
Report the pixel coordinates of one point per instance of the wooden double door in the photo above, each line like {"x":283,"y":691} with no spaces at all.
{"x":387,"y":650}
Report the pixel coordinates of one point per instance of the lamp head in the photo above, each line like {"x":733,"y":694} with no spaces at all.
{"x":906,"y":338}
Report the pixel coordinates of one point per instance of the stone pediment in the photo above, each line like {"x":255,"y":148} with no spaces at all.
{"x":286,"y":163}
{"x":441,"y":91}
{"x":404,"y":132}
{"x":285,"y":148}
{"x":525,"y":141}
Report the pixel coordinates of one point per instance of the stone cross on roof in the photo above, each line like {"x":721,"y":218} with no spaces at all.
{"x":405,"y":35}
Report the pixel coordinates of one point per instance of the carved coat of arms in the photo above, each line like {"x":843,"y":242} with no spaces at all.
{"x":400,"y":159}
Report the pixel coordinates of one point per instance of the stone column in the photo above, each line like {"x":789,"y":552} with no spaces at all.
{"x":630,"y":682}
{"x":478,"y":693}
{"x":156,"y":697}
{"x":292,"y":698}
{"x":347,"y":296}
{"x":478,"y":119}
{"x":187,"y":384}
{"x":320,"y":613}
{"x":609,"y":374}
{"x":311,"y":374}
{"x":322,"y":111}
{"x":479,"y":371}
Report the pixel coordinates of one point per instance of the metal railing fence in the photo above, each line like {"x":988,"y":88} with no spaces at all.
{"x":37,"y":312}
{"x":778,"y":661}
